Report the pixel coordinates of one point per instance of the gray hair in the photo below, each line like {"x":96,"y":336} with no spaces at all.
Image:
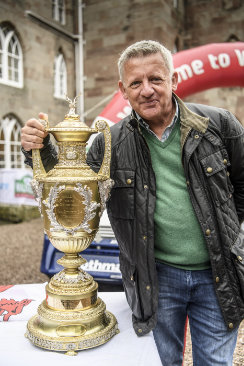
{"x":145,"y":48}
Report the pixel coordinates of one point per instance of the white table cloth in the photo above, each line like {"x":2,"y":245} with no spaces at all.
{"x":124,"y":349}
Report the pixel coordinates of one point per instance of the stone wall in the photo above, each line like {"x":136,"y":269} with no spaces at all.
{"x":218,"y":21}
{"x":110,"y":26}
{"x":40,"y":46}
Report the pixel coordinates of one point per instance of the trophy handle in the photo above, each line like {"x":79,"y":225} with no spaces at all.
{"x":102,"y":126}
{"x":38,"y":168}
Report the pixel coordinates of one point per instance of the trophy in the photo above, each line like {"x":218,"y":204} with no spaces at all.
{"x":71,"y":198}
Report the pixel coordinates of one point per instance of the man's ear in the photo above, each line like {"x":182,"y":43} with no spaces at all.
{"x":122,"y":89}
{"x":174,"y":80}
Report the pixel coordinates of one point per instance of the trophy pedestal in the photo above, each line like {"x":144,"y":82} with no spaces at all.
{"x":71,"y":318}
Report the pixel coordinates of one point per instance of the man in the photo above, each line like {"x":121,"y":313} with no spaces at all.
{"x":176,"y":208}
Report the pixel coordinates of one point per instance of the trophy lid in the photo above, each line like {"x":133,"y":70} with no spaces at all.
{"x":71,"y":128}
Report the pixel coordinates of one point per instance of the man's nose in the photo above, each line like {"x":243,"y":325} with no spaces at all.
{"x":147,"y":89}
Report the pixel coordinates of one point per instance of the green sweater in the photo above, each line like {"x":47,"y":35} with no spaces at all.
{"x":179,"y":240}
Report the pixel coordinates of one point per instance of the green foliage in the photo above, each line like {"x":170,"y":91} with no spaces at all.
{"x":18,"y":213}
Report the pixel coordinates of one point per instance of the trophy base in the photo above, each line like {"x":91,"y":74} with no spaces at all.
{"x":73,"y":330}
{"x":71,"y":318}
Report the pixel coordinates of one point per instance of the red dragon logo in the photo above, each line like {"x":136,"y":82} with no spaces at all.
{"x":12,"y":307}
{"x":4,"y":288}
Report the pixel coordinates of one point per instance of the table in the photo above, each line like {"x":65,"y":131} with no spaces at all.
{"x":126,"y":348}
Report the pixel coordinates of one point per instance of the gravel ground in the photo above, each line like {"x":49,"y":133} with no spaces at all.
{"x":20,"y":263}
{"x":21,"y":253}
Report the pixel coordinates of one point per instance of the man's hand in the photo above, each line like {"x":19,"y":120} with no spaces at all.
{"x":33,"y":133}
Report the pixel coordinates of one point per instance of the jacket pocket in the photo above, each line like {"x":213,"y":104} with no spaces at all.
{"x":237,"y":251}
{"x":121,"y":202}
{"x":215,"y":170}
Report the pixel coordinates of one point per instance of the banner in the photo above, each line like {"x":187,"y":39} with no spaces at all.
{"x":15,"y":187}
{"x":200,"y":68}
{"x":19,"y":302}
{"x":209,"y":66}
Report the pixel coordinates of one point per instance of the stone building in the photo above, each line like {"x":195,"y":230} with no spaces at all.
{"x":112,"y":25}
{"x":52,"y":47}
{"x":35,"y":52}
{"x":37,"y":68}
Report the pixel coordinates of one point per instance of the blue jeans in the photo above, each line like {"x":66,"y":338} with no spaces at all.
{"x":185,"y":293}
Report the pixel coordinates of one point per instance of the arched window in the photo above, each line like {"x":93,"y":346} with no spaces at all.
{"x":58,"y":11}
{"x":60,"y":77}
{"x":10,"y":153}
{"x":11,"y":58}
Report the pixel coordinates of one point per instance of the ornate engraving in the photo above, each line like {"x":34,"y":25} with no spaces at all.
{"x":104,"y":190}
{"x":69,"y":288}
{"x":72,"y":244}
{"x":82,"y":314}
{"x":90,"y":208}
{"x":71,"y":347}
{"x":64,"y":343}
{"x":86,"y":173}
{"x":37,"y":189}
{"x":50,"y":205}
{"x":38,"y":168}
{"x":82,"y":276}
{"x":71,"y":155}
{"x":105,"y":168}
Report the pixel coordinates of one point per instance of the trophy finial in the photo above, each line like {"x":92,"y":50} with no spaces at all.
{"x":72,"y":105}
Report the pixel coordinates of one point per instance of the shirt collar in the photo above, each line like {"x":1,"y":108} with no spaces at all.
{"x":168,"y":129}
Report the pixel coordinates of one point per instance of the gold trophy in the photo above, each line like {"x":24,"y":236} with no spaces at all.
{"x":71,"y":199}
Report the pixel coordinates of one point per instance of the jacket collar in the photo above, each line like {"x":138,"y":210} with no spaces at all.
{"x":190,"y":120}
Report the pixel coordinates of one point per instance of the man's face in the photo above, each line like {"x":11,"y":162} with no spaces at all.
{"x":148,"y":87}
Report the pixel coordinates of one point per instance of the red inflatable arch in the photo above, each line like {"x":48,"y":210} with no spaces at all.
{"x":209,"y":66}
{"x":200,"y":68}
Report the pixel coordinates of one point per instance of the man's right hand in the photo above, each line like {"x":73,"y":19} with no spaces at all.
{"x":33,"y":133}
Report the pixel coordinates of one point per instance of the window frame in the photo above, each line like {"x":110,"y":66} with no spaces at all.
{"x":58,"y":16}
{"x":6,"y":55}
{"x":60,"y":77}
{"x":12,"y":155}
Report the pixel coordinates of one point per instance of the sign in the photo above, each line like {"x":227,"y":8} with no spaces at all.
{"x":19,"y":301}
{"x":209,"y":66}
{"x":15,"y":187}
